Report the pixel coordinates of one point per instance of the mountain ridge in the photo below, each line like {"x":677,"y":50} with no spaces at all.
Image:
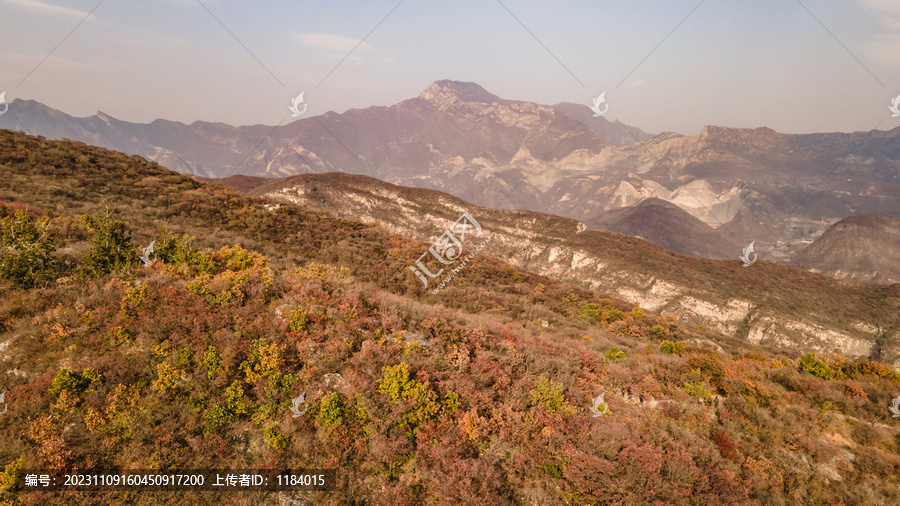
{"x":459,"y":138}
{"x":757,"y":304}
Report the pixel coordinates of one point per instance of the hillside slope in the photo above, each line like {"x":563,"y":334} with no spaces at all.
{"x":767,"y":303}
{"x":862,"y":248}
{"x":480,"y":393}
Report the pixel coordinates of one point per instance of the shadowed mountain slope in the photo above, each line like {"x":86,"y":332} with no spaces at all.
{"x":669,"y":226}
{"x":862,"y":248}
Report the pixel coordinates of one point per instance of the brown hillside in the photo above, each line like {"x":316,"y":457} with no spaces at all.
{"x":862,"y":248}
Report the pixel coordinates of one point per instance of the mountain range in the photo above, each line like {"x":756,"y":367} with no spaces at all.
{"x":779,"y":190}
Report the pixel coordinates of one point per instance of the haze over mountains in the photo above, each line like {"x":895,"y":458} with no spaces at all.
{"x":780,"y":190}
{"x":612,"y":131}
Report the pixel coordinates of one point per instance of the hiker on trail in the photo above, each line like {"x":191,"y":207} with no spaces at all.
{"x":629,"y":392}
{"x":642,"y":398}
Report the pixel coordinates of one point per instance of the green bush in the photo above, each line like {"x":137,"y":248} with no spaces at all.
{"x":817,"y":368}
{"x":865,"y":368}
{"x":65,"y":381}
{"x":183,"y":357}
{"x":216,"y":417}
{"x":11,"y":473}
{"x":91,"y":375}
{"x":132,"y":299}
{"x":235,"y":402}
{"x":614,"y":354}
{"x":613,"y":315}
{"x":698,"y":390}
{"x":670,"y":348}
{"x":550,"y":395}
{"x":236,"y":258}
{"x":264,"y":361}
{"x":176,"y":251}
{"x":590,"y":310}
{"x":425,"y":406}
{"x":297,"y":320}
{"x":274,"y":439}
{"x":212,"y":361}
{"x":552,"y":470}
{"x":112,"y":249}
{"x":451,"y":403}
{"x":167,"y":377}
{"x":331,"y":410}
{"x":279,"y":385}
{"x":25,"y":253}
{"x":275,"y":392}
{"x":395,"y":381}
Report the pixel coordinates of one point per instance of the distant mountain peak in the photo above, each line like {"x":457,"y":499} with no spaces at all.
{"x":667,"y":225}
{"x":451,"y":91}
{"x":105,"y":118}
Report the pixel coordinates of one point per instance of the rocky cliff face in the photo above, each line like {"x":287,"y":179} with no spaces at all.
{"x":766,"y":303}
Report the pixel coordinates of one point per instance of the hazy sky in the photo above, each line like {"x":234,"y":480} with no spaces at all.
{"x":729,"y":62}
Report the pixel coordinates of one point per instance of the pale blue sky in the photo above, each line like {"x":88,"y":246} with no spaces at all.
{"x":732,"y":63}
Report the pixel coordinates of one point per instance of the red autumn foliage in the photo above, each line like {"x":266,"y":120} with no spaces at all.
{"x":725,"y":445}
